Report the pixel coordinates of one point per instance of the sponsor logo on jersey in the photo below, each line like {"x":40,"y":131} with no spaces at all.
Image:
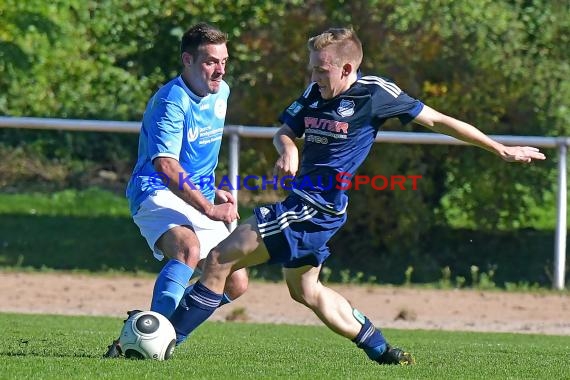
{"x":326,"y":125}
{"x":346,"y":108}
{"x":193,"y":133}
{"x":314,"y":105}
{"x":294,"y":108}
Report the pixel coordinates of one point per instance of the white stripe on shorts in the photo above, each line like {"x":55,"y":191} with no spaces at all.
{"x":284,"y":220}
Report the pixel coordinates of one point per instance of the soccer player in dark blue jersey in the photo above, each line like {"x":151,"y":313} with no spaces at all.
{"x":171,"y":192}
{"x":339,"y":115}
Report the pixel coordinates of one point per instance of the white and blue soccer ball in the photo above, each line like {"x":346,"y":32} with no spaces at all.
{"x":147,"y":335}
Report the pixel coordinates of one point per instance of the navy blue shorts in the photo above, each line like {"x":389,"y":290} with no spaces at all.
{"x":295,"y":233}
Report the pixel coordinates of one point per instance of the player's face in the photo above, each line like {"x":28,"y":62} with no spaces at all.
{"x":326,"y":74}
{"x":205,"y":71}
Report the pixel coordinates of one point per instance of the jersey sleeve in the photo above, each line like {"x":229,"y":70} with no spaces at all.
{"x":293,"y":115}
{"x":389,"y":101}
{"x":166,"y":130}
{"x":407,"y":108}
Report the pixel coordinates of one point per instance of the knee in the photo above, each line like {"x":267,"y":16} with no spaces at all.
{"x":212,"y":261}
{"x":237,"y":284}
{"x":296,"y":296}
{"x":303,"y":295}
{"x":213,"y":265}
{"x":189,"y":255}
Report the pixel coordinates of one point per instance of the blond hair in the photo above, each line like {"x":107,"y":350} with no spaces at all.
{"x":348,"y":47}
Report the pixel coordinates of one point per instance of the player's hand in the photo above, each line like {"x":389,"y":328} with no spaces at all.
{"x":286,"y":165}
{"x":223,"y":196}
{"x":225,"y":212}
{"x":522,"y":154}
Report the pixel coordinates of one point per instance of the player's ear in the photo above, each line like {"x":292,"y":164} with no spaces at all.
{"x":347,"y":69}
{"x":186,"y":59}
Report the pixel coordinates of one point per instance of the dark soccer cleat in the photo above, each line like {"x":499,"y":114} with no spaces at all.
{"x":394,"y":355}
{"x":114,"y":349}
{"x":130,"y":313}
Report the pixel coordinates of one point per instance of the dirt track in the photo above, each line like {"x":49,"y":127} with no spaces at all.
{"x":388,"y":307}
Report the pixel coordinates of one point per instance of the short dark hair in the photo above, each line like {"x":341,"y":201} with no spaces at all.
{"x":201,"y":34}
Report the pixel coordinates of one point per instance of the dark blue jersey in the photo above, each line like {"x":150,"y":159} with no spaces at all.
{"x":339,"y":133}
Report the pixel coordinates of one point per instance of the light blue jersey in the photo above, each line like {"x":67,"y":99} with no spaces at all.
{"x":179,"y":124}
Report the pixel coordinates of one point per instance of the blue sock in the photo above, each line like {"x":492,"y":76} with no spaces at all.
{"x":196,"y":306}
{"x":370,"y":339}
{"x":169,"y":287}
{"x":225,"y":298}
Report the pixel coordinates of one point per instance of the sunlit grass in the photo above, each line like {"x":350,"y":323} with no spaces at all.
{"x":56,"y":347}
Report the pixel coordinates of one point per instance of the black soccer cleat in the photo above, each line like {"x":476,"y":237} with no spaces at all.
{"x":130,"y":313}
{"x":114,"y":349}
{"x":394,"y":355}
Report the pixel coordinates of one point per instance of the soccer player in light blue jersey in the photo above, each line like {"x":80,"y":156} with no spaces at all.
{"x":171,"y":192}
{"x":339,"y":115}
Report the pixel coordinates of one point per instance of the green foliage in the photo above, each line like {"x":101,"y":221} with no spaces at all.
{"x":53,"y":347}
{"x":46,"y":165}
{"x":480,"y":281}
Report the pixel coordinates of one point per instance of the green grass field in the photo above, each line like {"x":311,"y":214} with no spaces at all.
{"x":64,"y":347}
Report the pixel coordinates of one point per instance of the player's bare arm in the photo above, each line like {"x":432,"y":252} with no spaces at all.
{"x":225,"y":212}
{"x":441,"y":123}
{"x":284,"y":142}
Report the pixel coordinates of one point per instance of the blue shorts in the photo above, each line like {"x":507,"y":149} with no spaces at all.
{"x":295,"y":233}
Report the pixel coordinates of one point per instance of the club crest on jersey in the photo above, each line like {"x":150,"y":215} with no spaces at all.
{"x":346,"y":108}
{"x":220,"y":108}
{"x":294,"y":108}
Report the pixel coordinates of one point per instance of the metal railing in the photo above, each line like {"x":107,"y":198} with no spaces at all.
{"x":236,"y":131}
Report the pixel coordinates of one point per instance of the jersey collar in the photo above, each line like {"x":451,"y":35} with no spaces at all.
{"x":190,"y":93}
